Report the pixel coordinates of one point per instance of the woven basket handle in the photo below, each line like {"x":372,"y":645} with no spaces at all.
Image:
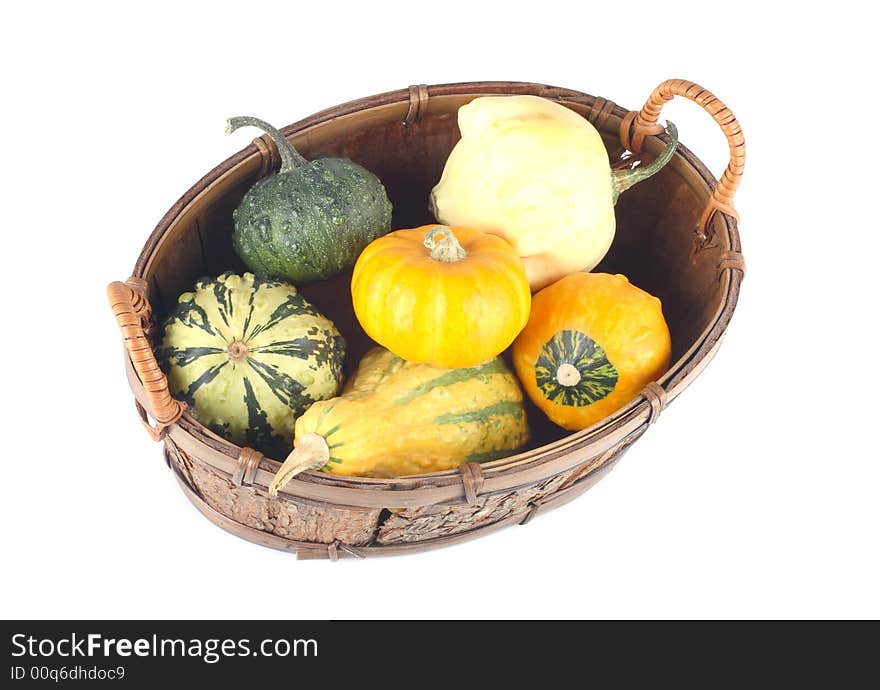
{"x":635,"y":126}
{"x":132,"y":310}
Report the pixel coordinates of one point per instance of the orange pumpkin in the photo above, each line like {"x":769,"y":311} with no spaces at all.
{"x":592,"y":343}
{"x":450,"y":297}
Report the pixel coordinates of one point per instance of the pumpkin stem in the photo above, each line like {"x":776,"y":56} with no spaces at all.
{"x":310,"y":452}
{"x":624,"y":179}
{"x":290,"y":157}
{"x":447,"y":248}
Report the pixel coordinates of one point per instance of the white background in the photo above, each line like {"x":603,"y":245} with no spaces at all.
{"x":756,"y":495}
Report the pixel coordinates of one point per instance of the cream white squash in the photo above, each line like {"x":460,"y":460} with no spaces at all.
{"x":537,"y":174}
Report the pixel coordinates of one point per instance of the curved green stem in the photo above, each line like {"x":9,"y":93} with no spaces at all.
{"x":624,"y":179}
{"x":290,"y":157}
{"x":447,"y":248}
{"x":310,"y":452}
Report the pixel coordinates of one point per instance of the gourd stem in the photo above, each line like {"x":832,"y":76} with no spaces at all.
{"x":447,"y":248}
{"x":290,"y":157}
{"x":237,"y":351}
{"x":310,"y":452}
{"x":624,"y":179}
{"x":568,"y":375}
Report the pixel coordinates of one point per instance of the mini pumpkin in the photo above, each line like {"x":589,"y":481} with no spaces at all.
{"x":592,"y":343}
{"x":448,"y":296}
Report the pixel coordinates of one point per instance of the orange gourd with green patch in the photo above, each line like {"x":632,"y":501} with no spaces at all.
{"x":592,"y":343}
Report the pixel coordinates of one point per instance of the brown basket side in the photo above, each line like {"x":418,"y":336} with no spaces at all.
{"x":325,"y":531}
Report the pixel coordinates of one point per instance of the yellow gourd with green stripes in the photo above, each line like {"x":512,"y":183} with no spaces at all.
{"x":397,"y":418}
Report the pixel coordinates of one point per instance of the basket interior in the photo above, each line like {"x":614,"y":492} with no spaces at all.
{"x":654,"y":245}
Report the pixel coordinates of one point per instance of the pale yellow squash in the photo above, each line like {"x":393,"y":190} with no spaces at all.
{"x":537,"y":174}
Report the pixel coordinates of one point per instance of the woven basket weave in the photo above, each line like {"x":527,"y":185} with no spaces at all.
{"x":676,"y":238}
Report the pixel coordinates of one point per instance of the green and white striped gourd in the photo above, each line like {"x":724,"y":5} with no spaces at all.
{"x":249,"y":355}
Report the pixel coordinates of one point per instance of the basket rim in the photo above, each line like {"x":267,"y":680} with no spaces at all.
{"x":528,"y":466}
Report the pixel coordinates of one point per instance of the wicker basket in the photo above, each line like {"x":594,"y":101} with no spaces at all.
{"x":670,"y":241}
